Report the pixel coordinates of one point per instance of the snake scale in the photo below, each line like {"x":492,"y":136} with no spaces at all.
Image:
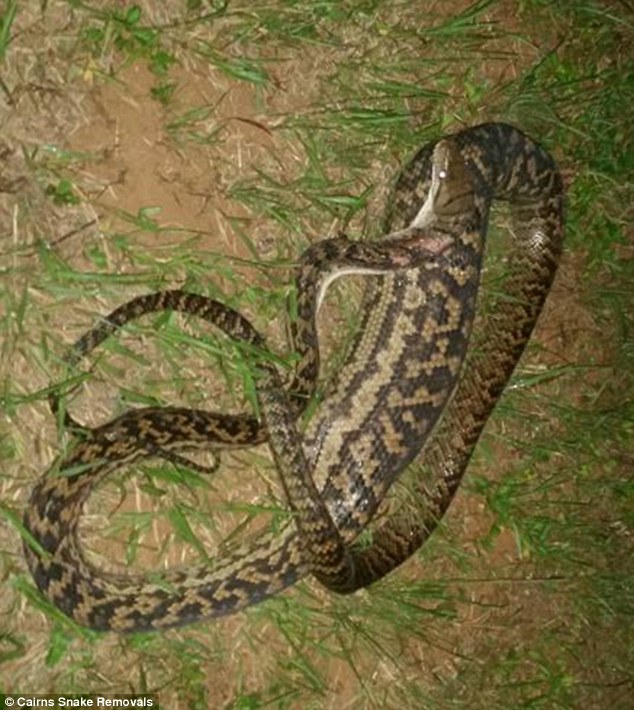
{"x":403,"y":370}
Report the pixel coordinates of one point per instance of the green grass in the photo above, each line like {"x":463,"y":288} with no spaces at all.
{"x":279,"y":124}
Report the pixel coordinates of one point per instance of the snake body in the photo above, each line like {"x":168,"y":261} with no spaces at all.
{"x":400,"y":372}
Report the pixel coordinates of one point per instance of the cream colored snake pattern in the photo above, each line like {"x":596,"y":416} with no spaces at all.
{"x":403,"y":369}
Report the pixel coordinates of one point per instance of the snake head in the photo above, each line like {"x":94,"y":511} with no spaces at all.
{"x":452,"y":192}
{"x":451,"y":198}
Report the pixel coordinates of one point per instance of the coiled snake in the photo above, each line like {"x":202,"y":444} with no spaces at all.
{"x":402,"y":370}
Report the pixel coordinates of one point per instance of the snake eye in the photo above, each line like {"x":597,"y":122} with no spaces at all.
{"x":442,"y":174}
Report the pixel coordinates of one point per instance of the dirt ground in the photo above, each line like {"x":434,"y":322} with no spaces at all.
{"x":135,"y":162}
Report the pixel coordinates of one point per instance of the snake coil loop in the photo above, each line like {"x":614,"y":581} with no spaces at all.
{"x":402,"y":389}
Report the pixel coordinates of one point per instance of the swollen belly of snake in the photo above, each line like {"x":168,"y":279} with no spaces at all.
{"x":403,"y":389}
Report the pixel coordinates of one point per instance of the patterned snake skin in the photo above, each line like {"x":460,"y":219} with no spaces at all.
{"x":403,"y":369}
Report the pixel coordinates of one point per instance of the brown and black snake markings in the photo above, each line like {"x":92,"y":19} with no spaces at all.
{"x":402,"y":394}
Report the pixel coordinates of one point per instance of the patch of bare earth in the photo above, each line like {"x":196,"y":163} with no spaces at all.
{"x":140,"y":158}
